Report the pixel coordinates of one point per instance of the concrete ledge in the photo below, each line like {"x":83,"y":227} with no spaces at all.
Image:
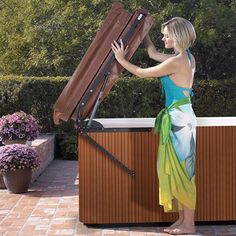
{"x":45,"y":146}
{"x":149,"y":122}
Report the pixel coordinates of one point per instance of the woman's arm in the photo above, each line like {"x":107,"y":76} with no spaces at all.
{"x":167,"y":67}
{"x":152,"y":52}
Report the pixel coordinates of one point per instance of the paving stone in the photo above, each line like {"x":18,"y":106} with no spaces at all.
{"x":51,"y":207}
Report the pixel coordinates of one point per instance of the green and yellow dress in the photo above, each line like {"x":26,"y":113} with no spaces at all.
{"x":176,"y":154}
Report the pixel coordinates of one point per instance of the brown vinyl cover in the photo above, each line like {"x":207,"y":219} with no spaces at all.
{"x":117,"y":23}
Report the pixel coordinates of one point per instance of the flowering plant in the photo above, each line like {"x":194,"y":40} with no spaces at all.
{"x":18,"y":156}
{"x":18,"y":125}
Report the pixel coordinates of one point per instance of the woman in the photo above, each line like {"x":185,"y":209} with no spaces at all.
{"x":176,"y":122}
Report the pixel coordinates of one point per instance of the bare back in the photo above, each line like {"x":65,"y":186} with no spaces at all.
{"x":184,"y":76}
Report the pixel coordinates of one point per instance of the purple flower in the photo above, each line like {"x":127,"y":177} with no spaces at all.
{"x":18,"y":125}
{"x":18,"y":156}
{"x":21,"y":136}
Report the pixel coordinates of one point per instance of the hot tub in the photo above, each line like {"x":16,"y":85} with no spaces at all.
{"x":110,"y":193}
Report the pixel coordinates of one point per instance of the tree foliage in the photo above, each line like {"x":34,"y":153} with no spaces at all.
{"x":50,"y":37}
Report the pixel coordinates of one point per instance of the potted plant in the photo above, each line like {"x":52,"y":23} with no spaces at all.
{"x":18,"y":127}
{"x":16,"y":164}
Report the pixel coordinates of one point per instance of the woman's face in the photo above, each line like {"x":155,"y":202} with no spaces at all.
{"x":169,"y":42}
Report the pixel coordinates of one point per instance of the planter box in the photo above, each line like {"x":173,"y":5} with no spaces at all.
{"x":45,"y":146}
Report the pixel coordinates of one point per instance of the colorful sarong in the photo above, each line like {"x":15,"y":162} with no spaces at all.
{"x":176,"y":156}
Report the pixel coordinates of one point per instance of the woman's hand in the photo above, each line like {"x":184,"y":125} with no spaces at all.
{"x":119,"y":50}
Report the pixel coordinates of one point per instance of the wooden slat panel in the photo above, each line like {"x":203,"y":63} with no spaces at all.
{"x":216,"y":179}
{"x":109,"y":195}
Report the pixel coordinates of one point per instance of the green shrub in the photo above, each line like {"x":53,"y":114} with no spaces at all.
{"x":33,"y":95}
{"x":66,"y":147}
{"x":133,"y":97}
{"x":214,"y":98}
{"x":129,"y":97}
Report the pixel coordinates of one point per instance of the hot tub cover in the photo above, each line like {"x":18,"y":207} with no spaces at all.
{"x":88,"y":78}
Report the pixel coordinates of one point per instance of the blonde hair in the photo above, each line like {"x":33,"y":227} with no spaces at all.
{"x":181,"y":31}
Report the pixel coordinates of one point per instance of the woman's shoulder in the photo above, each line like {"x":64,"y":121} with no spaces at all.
{"x":173,"y":60}
{"x":182,"y":60}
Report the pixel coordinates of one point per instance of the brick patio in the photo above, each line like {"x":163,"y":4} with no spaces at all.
{"x":51,"y":208}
